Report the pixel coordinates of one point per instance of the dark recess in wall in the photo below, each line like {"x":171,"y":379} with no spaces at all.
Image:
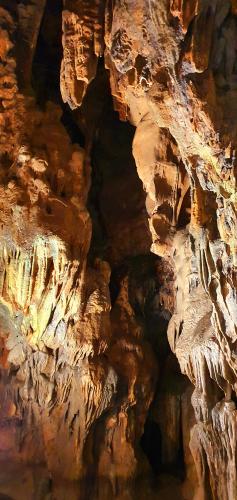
{"x":46,"y":68}
{"x":116,"y":199}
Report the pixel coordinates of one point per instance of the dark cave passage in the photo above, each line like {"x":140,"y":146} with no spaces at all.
{"x":102,"y":341}
{"x":185,"y":211}
{"x":116,"y":200}
{"x":48,"y":55}
{"x":46,"y":69}
{"x":121,"y":236}
{"x":116,"y":204}
{"x":151,"y":444}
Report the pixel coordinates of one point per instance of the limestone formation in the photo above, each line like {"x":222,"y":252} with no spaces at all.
{"x":186,"y":86}
{"x":67,"y":376}
{"x":110,"y":230}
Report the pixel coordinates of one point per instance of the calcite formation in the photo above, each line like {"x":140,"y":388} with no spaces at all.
{"x":67,"y":375}
{"x":83,"y":44}
{"x":178,"y":78}
{"x":82,"y":302}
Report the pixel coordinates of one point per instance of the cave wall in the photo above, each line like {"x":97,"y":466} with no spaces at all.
{"x":137,"y":152}
{"x":76,"y":379}
{"x":173,"y":71}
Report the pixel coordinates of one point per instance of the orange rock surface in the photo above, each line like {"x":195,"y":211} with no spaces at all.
{"x":118,"y":217}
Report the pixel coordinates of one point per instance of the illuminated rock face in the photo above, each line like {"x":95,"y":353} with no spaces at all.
{"x":178,"y":87}
{"x":75,"y":384}
{"x":77,"y":372}
{"x":83,"y":43}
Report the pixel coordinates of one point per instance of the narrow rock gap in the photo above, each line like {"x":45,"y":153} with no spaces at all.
{"x":117,"y":207}
{"x":116,"y":199}
{"x":46,"y":68}
{"x":112,"y":164}
{"x":185,"y":211}
{"x":48,"y":55}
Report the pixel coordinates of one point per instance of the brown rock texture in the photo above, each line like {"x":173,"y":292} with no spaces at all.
{"x":83,"y":43}
{"x":177,"y":84}
{"x":130,"y":148}
{"x":75,"y":387}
